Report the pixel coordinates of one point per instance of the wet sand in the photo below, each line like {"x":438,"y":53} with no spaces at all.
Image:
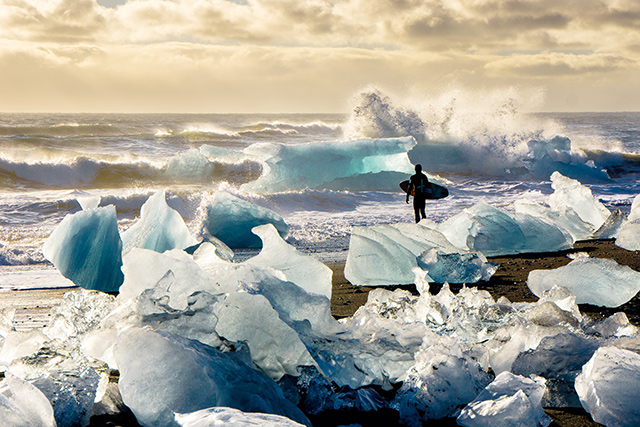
{"x":30,"y":309}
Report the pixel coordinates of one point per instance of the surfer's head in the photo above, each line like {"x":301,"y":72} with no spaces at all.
{"x":418,"y":168}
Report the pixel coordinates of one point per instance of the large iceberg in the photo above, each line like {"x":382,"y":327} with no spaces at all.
{"x":86,"y":248}
{"x":303,"y":270}
{"x":595,"y":281}
{"x":159,"y":228}
{"x":289,"y":167}
{"x":162,"y":374}
{"x":510,"y":400}
{"x":231,"y":220}
{"x":608,"y":387}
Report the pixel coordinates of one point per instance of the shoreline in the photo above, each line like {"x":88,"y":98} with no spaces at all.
{"x":31,"y":309}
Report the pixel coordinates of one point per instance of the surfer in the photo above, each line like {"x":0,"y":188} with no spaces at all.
{"x":420,"y":186}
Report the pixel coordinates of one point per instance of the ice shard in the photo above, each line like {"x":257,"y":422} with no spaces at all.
{"x":231,"y":220}
{"x":595,"y":281}
{"x":162,"y":374}
{"x":608,"y":387}
{"x":86,"y":248}
{"x":303,"y":270}
{"x":160,"y":228}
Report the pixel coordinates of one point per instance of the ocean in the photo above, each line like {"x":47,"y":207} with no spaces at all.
{"x":323,"y":173}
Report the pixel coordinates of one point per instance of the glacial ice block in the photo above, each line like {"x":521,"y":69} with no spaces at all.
{"x":231,"y":220}
{"x":191,"y":165}
{"x":162,"y":374}
{"x":595,"y":281}
{"x":22,"y":404}
{"x":232,"y":417}
{"x":493,"y":232}
{"x":567,"y":220}
{"x":86,"y":248}
{"x":296,"y":167}
{"x":159,"y":228}
{"x":608,"y":387}
{"x":570,"y":193}
{"x":303,"y":270}
{"x":383,"y":255}
{"x":173,"y":271}
{"x":510,"y":400}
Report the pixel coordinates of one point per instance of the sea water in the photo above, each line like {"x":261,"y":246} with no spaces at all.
{"x":493,"y":154}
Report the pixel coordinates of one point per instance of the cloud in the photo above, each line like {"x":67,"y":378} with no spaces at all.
{"x":559,"y":64}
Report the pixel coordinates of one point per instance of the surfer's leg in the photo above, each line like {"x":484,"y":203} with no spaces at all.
{"x":416,"y":209}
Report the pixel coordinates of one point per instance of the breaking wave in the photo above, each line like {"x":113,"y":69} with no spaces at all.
{"x":463,"y":133}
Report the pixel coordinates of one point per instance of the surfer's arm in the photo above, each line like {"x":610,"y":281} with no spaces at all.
{"x":409,"y":188}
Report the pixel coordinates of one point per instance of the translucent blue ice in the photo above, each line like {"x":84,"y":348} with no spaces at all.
{"x":162,"y":374}
{"x":596,"y":281}
{"x":289,"y":167}
{"x":86,"y":248}
{"x":231,"y":220}
{"x":160,"y":228}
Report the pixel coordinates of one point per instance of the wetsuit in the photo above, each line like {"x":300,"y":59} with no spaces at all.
{"x":420,"y":183}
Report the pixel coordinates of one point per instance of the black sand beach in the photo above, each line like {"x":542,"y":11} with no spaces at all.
{"x":32,"y":310}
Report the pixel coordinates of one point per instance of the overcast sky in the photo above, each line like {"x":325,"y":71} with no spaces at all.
{"x":311,"y":55}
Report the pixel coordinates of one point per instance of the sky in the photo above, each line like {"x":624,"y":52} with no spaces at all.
{"x":301,"y":56}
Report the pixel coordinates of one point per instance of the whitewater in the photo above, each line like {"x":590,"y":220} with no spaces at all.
{"x":323,"y":173}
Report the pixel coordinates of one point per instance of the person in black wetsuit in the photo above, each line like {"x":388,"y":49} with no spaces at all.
{"x":421,"y":186}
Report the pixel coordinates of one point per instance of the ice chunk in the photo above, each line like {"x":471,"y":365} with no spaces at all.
{"x":566,"y":219}
{"x":89,"y":202}
{"x":559,"y":359}
{"x":612,"y":226}
{"x":275,"y":347}
{"x":570,"y":193}
{"x":386,"y":254}
{"x":289,"y":167}
{"x":231,"y":220}
{"x":71,"y":388}
{"x":159,"y":228}
{"x":87,"y":249}
{"x":493,"y":232}
{"x":22,"y":404}
{"x":629,"y":235}
{"x":510,"y":400}
{"x":608,"y":387}
{"x":303,"y":270}
{"x":595,"y":281}
{"x":442,"y":378}
{"x":456,"y":267}
{"x":174,"y":271}
{"x":162,"y":374}
{"x":233,"y":417}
